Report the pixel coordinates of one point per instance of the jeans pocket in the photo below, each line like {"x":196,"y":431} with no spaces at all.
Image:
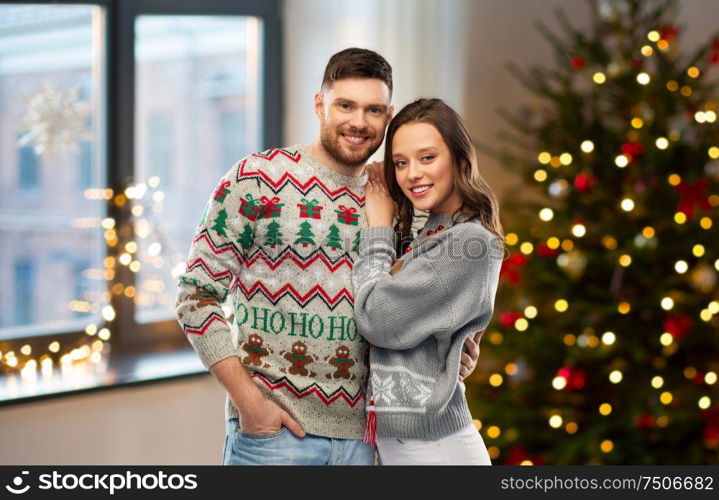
{"x":261,"y":436}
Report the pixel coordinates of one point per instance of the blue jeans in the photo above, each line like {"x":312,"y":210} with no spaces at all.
{"x":284,"y":448}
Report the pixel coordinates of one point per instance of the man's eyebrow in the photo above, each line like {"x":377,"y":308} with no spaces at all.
{"x":382,"y":107}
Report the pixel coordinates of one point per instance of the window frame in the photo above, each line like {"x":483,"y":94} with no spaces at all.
{"x":130,"y":337}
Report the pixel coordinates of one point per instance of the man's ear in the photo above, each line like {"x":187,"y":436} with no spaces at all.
{"x":319,"y":105}
{"x":390,"y":114}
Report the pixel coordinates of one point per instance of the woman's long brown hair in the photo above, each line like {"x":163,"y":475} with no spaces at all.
{"x":478,"y":199}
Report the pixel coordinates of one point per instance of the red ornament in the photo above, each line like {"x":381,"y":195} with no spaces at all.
{"x":710,"y":417}
{"x":636,"y":62}
{"x":693,"y":194}
{"x":575,"y":377}
{"x":517,"y":454}
{"x":644,"y":421}
{"x":632,"y":150}
{"x":509,"y":318}
{"x":585,"y":182}
{"x":511,"y":268}
{"x":668,"y":33}
{"x":714,"y":55}
{"x":679,"y":325}
{"x":577,"y":62}
{"x":543,"y":250}
{"x":698,"y":378}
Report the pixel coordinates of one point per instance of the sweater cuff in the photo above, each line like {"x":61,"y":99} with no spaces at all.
{"x":378,"y":235}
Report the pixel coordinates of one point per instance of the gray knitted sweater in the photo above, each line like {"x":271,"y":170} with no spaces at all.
{"x":416,"y":320}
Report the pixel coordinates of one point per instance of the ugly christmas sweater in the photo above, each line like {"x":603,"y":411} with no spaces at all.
{"x":416,"y":315}
{"x":279,"y":237}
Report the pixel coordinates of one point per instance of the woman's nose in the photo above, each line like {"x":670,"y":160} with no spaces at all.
{"x":413,"y":171}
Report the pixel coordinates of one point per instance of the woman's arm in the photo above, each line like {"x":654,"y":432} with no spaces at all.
{"x":450,"y":284}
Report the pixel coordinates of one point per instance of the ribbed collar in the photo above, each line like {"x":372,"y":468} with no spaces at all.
{"x":327,"y":173}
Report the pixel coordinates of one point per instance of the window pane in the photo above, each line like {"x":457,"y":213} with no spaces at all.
{"x":51,"y":148}
{"x":197,"y":113}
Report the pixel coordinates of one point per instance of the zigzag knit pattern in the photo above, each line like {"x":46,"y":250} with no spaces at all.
{"x":278,"y":238}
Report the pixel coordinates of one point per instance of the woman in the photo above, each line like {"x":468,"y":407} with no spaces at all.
{"x":417,"y":311}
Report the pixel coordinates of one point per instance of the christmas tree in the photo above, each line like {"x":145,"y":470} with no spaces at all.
{"x":334,"y":240}
{"x":605,"y":344}
{"x":273,"y":236}
{"x":247,"y":238}
{"x":305,"y":234}
{"x":220,"y":222}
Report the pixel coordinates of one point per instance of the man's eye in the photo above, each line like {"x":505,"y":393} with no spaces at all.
{"x":374,"y":111}
{"x":344,"y":105}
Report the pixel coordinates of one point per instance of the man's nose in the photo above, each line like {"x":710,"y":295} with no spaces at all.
{"x":357,"y":120}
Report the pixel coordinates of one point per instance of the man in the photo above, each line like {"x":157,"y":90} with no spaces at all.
{"x":279,"y":236}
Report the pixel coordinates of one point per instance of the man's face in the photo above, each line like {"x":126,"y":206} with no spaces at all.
{"x":353,"y":114}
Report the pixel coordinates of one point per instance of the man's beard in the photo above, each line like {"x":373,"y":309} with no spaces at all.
{"x":331,"y":144}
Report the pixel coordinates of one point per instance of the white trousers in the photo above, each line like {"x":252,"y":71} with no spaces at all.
{"x":464,"y":447}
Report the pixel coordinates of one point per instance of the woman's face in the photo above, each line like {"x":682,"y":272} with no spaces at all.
{"x":424,"y":168}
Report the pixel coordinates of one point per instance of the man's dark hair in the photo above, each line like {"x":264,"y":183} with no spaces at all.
{"x":357,"y":63}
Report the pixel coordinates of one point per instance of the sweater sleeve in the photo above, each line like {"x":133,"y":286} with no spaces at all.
{"x":451,"y":284}
{"x":214,"y":262}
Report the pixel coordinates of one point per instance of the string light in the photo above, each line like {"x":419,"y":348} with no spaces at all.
{"x":493,"y":431}
{"x":540,"y":175}
{"x":587,"y":146}
{"x":607,"y":446}
{"x":621,"y":161}
{"x":608,"y":338}
{"x":579,"y":230}
{"x":605,"y":409}
{"x":496,"y":380}
{"x":667,"y":303}
{"x":599,"y":78}
{"x":681,"y":266}
{"x":615,"y":377}
{"x":643,"y":78}
{"x":555,"y":421}
{"x":704,"y":402}
{"x":546,"y":214}
{"x":627,"y":204}
{"x":662,"y":143}
{"x":561,"y":305}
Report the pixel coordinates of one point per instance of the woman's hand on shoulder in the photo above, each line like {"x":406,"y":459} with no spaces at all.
{"x":379,"y":206}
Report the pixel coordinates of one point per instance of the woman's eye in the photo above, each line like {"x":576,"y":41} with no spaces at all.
{"x":428,"y":158}
{"x":399,"y":163}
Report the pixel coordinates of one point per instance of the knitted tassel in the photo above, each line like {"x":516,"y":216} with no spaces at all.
{"x":370,"y":432}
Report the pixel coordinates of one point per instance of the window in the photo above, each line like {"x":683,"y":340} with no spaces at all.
{"x":29,"y":176}
{"x":129,"y":111}
{"x":24,"y":291}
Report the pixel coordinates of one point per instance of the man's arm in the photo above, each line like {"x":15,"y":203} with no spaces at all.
{"x":258,"y":415}
{"x":215,"y":260}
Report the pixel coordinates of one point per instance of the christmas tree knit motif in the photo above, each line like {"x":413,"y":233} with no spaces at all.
{"x":247,"y":238}
{"x":220,"y":223}
{"x":273,"y":236}
{"x":305,"y":234}
{"x":356,"y":242}
{"x":333,"y":240}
